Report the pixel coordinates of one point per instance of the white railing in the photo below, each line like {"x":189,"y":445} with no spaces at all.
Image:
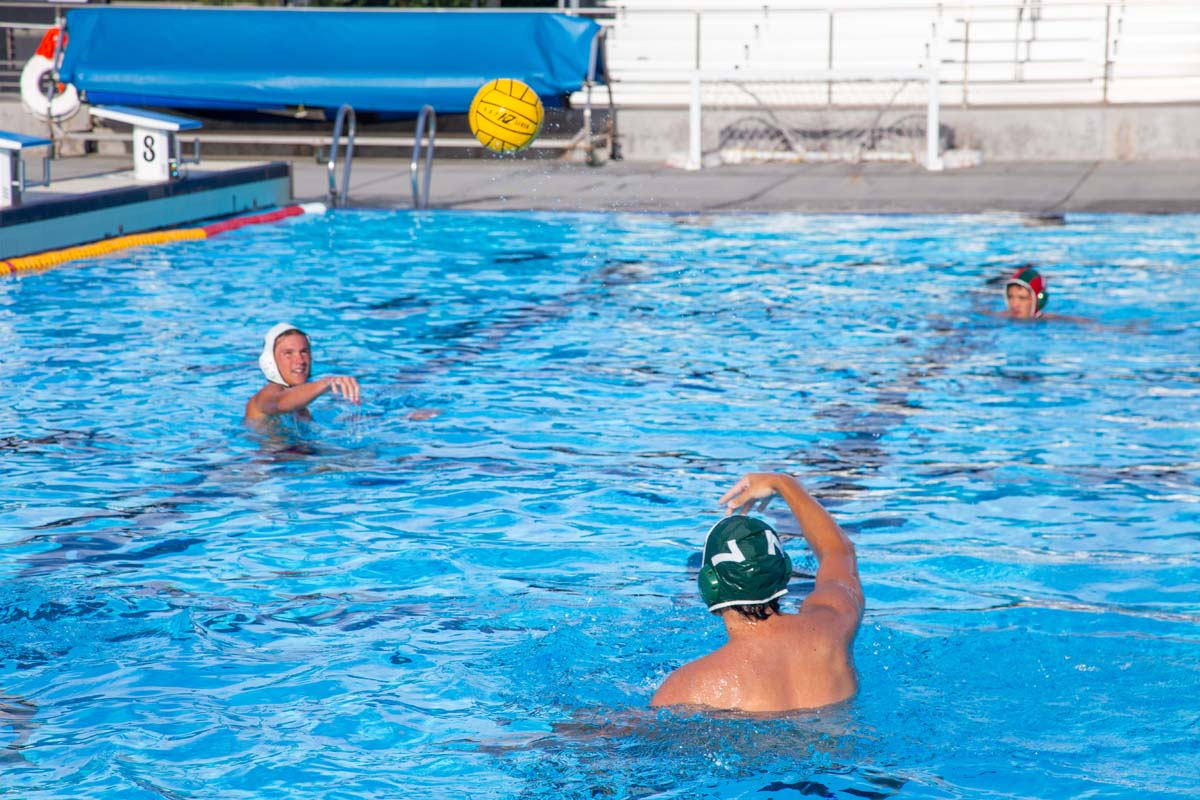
{"x":846,"y":80}
{"x":1006,"y":53}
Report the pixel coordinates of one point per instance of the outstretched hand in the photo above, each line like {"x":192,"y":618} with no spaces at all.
{"x":345,"y":386}
{"x":752,"y":487}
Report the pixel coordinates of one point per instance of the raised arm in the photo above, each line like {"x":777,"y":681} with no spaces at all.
{"x":285,"y":400}
{"x":837,"y":586}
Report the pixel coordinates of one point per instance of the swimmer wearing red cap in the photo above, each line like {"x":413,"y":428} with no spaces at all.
{"x":1025,"y":296}
{"x":1025,"y":293}
{"x":286,"y":361}
{"x":773,"y":662}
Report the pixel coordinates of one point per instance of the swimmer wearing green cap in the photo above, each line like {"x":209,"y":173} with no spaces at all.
{"x":773,"y":661}
{"x":286,"y":361}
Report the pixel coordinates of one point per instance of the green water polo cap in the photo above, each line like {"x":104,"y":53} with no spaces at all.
{"x":744,"y":564}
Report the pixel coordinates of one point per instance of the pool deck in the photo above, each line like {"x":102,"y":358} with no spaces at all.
{"x":1049,"y":187}
{"x":513,"y":184}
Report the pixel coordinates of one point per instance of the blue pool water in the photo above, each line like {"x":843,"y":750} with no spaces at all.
{"x":480,"y":605}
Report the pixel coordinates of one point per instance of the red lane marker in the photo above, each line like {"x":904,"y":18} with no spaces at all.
{"x":256,"y":219}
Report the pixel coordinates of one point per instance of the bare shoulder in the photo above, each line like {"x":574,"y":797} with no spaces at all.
{"x":818,"y":632}
{"x":831,"y":616}
{"x":258,"y":405}
{"x":697,"y":683}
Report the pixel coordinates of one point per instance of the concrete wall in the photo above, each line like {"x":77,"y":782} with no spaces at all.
{"x":1090,"y":133}
{"x":1040,"y":133}
{"x":14,"y":118}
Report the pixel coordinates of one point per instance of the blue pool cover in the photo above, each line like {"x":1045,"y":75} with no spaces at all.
{"x":380,"y":61}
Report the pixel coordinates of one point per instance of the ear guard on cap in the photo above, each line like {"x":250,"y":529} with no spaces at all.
{"x":1032,"y":280}
{"x":710,"y":585}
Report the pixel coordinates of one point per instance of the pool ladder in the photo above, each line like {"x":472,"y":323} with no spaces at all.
{"x":420,"y":190}
{"x":337,"y":197}
{"x":426,"y":123}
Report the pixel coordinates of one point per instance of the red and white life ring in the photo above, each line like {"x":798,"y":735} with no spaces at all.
{"x":65,"y":102}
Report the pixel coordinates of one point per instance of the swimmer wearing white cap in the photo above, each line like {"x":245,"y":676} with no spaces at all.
{"x":286,"y":361}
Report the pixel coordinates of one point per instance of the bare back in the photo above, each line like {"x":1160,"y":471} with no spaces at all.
{"x":786,"y":662}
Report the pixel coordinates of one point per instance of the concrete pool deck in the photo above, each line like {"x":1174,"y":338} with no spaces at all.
{"x":1046,"y":187}
{"x":541,"y":184}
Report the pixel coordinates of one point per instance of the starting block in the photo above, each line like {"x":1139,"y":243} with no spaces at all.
{"x":156,"y":155}
{"x":12,"y":166}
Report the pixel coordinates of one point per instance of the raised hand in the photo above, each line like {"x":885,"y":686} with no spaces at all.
{"x":344,"y":386}
{"x":752,"y":487}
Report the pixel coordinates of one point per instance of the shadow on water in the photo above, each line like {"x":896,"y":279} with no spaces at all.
{"x":490,"y":335}
{"x":521,"y":257}
{"x":19,"y":715}
{"x":210,"y":482}
{"x":858,"y":453}
{"x":102,"y":549}
{"x":61,"y":438}
{"x":636,"y":754}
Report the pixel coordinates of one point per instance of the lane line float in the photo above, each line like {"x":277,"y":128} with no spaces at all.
{"x":53,"y":258}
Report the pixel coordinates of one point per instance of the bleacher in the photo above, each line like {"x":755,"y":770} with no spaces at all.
{"x":1004,"y":53}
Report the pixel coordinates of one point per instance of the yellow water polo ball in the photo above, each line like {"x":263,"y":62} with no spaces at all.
{"x":506,"y":115}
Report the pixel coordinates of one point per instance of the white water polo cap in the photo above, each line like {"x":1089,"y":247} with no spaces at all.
{"x":266,"y":360}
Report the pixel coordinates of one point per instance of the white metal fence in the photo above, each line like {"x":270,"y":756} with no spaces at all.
{"x":844,"y":80}
{"x":999,"y":53}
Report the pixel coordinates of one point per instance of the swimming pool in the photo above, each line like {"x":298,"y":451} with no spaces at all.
{"x":482,"y":604}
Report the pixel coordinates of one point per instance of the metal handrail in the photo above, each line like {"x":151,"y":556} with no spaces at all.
{"x":595,"y":56}
{"x":24,"y":183}
{"x":337,"y":198}
{"x":421,"y":195}
{"x":180,"y":159}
